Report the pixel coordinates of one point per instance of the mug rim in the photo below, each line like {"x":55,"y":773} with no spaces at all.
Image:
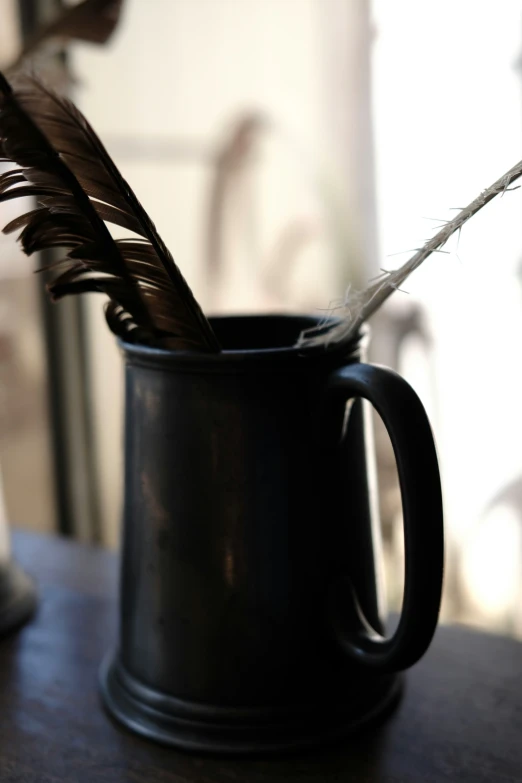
{"x":284,"y":355}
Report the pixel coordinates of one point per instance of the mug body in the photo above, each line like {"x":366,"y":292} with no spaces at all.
{"x":246,"y":508}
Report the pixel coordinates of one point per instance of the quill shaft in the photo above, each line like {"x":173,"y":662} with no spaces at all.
{"x":366,"y":303}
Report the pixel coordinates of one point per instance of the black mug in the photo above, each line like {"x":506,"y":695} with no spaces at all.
{"x":251,"y":612}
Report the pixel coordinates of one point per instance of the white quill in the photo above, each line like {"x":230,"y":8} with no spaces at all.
{"x":358,"y":306}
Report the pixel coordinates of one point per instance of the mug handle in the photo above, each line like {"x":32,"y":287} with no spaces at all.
{"x":409,"y":430}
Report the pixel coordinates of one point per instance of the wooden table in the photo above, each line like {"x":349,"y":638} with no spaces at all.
{"x":460,"y":719}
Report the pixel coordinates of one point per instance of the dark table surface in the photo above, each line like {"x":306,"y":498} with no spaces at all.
{"x":460,"y":719}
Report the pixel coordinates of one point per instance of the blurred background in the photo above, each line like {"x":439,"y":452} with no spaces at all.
{"x":286,"y":149}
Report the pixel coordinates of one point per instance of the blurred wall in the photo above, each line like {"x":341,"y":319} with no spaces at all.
{"x":447,"y":108}
{"x":442,"y":83}
{"x":167,"y":95}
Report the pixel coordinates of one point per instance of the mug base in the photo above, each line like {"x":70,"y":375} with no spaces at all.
{"x":238,"y":731}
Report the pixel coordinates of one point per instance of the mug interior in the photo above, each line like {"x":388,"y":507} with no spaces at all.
{"x":260,"y":332}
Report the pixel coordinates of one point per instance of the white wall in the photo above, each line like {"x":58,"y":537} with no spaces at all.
{"x":176,"y":76}
{"x":445,"y":97}
{"x":447,"y":88}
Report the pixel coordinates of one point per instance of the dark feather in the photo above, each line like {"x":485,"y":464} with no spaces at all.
{"x":65,"y":166}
